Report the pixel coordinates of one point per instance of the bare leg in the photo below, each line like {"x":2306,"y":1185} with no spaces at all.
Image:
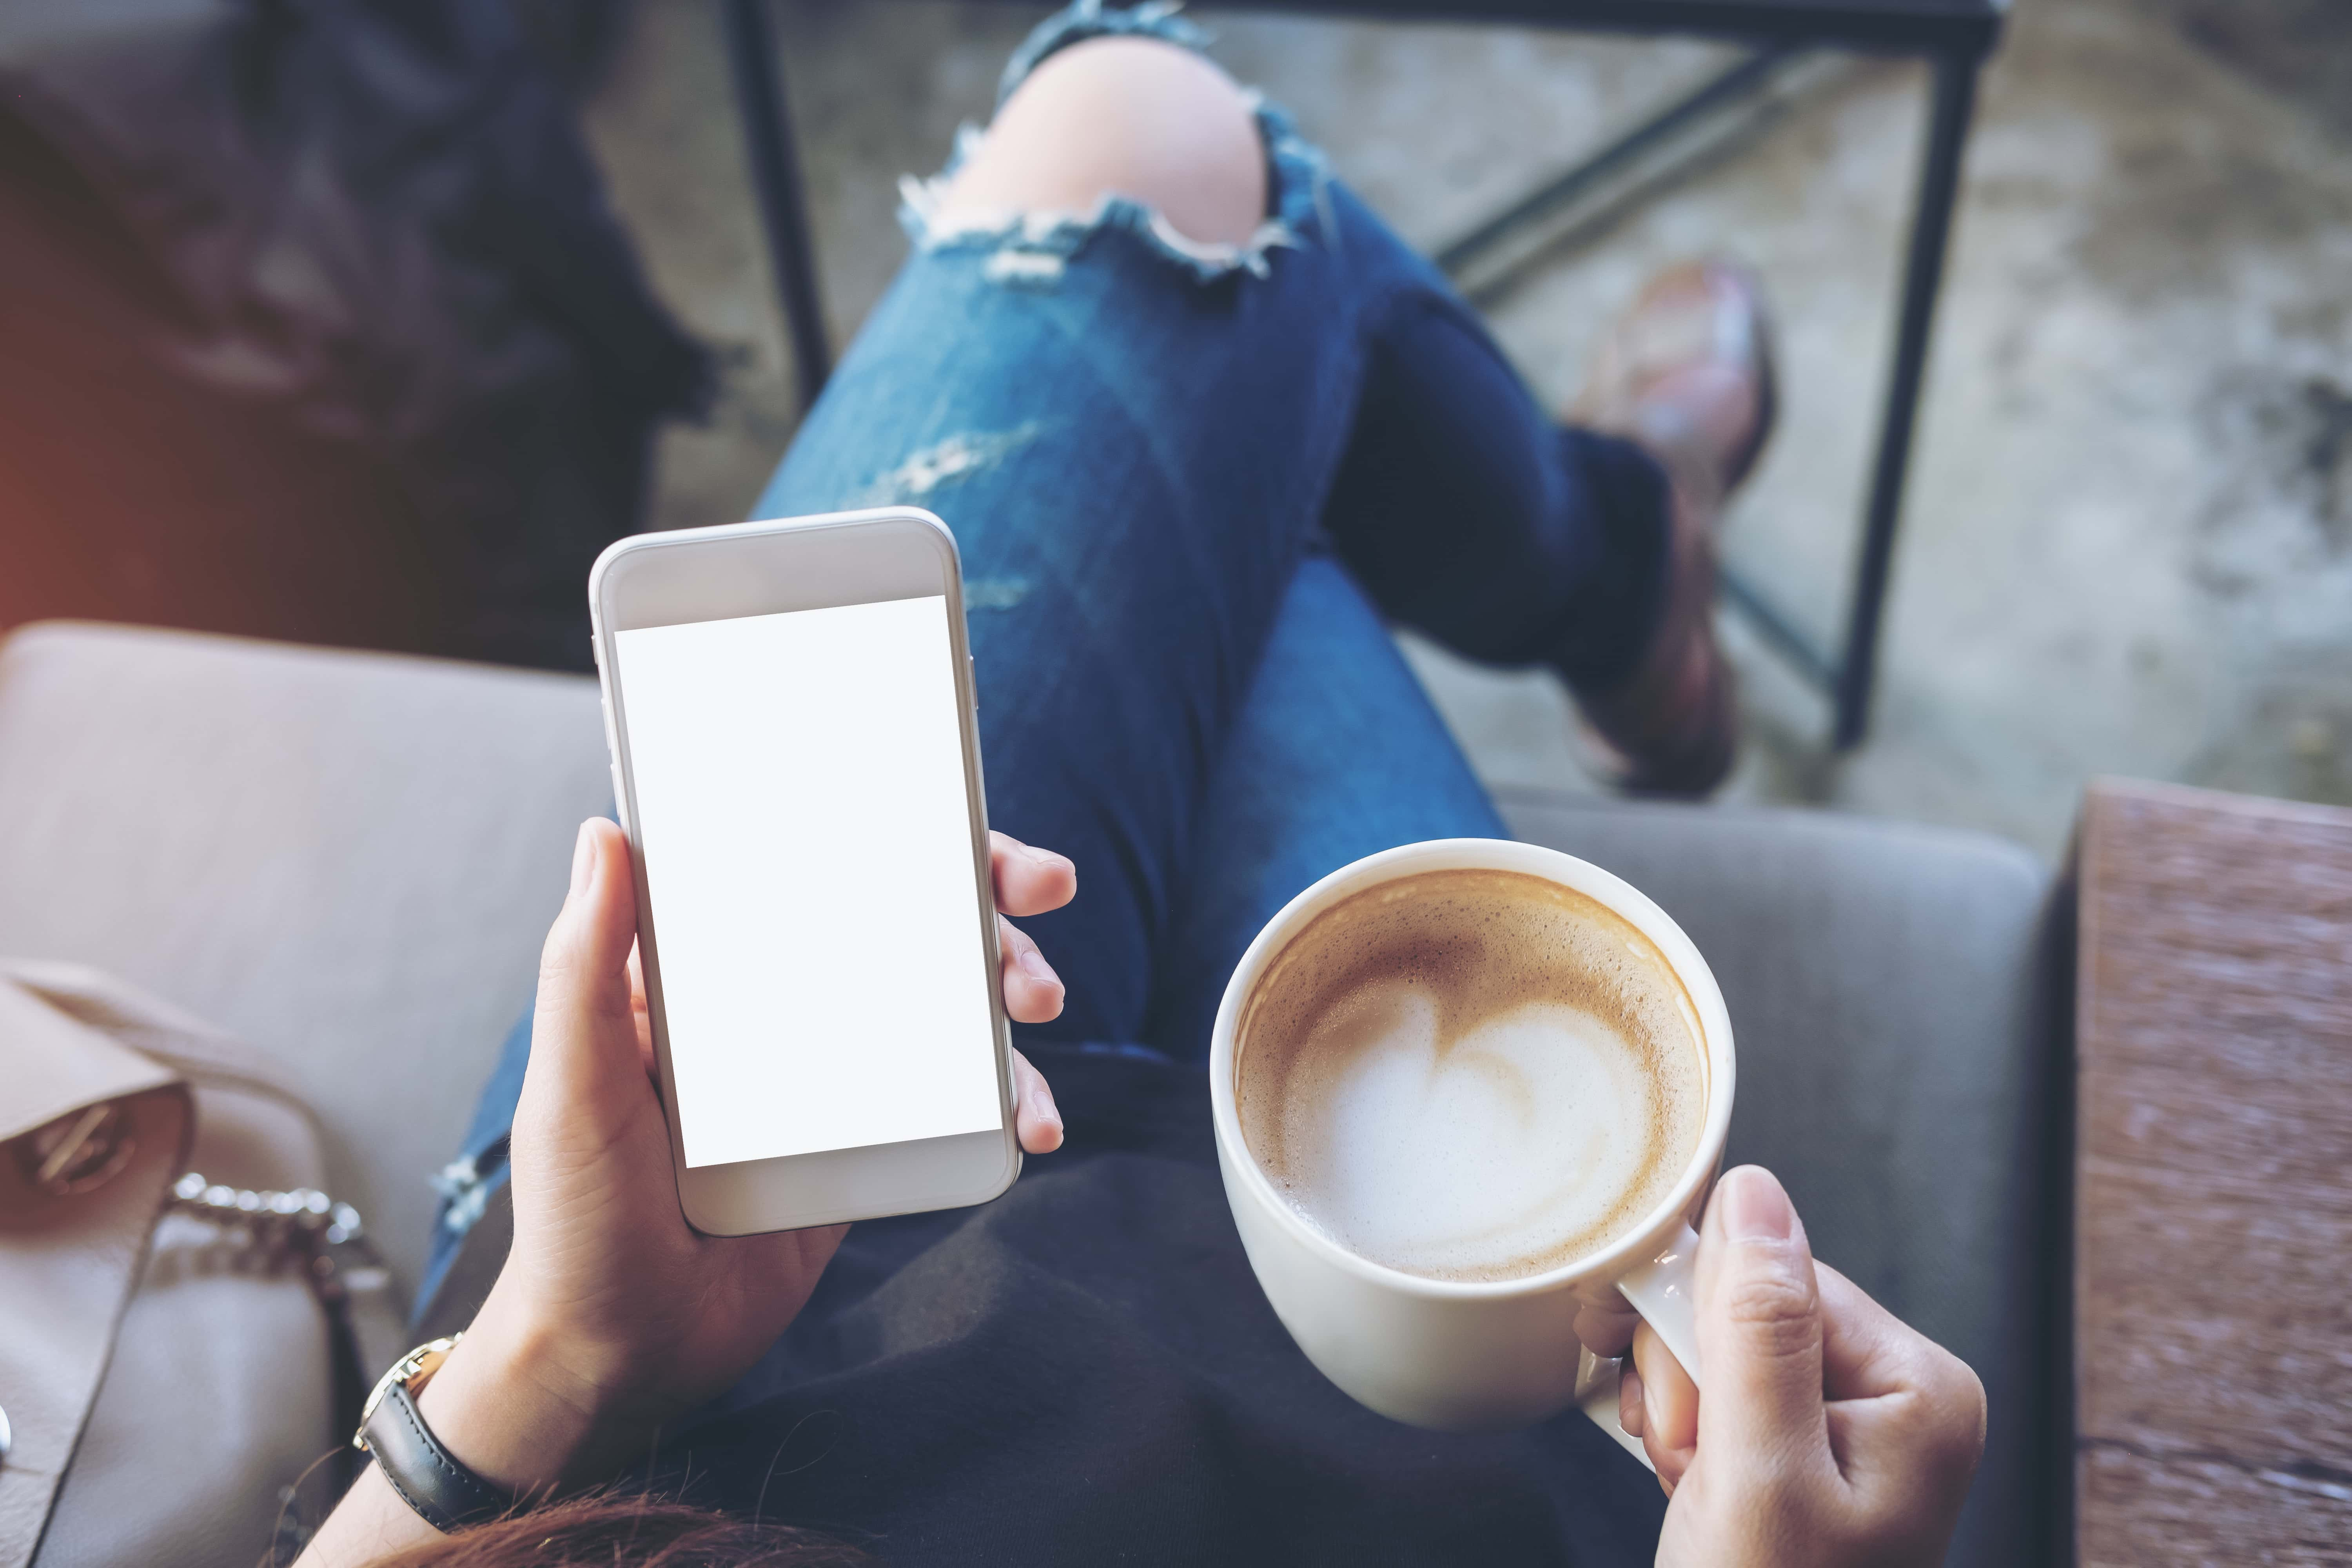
{"x":1130,"y":117}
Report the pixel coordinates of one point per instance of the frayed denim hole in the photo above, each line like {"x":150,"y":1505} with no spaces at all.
{"x":1299,"y":179}
{"x":1030,"y":268}
{"x":947,"y":461}
{"x":466,"y":1184}
{"x":1034,"y":250}
{"x":994,"y":592}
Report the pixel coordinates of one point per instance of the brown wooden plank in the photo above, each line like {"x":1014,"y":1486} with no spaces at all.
{"x":2213,"y":1186}
{"x":2230,"y":1329}
{"x":2212,"y":1117}
{"x":2133,"y":1511}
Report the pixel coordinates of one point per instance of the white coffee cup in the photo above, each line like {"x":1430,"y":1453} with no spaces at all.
{"x":1473,"y":1355}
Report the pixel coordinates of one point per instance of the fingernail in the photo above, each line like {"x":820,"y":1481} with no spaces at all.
{"x":584,"y":861}
{"x":1755,"y":1208}
{"x":1041,"y":1100}
{"x":1650,"y":1422}
{"x":1045,"y":856}
{"x":1033,"y":964}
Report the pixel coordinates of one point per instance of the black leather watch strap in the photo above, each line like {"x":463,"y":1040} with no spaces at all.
{"x":445,"y":1493}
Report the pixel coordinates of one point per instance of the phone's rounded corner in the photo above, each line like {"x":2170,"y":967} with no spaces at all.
{"x":941,"y":533}
{"x":606,"y":559}
{"x":994,"y":1188}
{"x":1012,"y":1163}
{"x":925,"y":515}
{"x":699,"y":1220}
{"x":982,"y":1196}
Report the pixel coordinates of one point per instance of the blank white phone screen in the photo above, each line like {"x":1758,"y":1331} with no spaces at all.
{"x":800,"y":798}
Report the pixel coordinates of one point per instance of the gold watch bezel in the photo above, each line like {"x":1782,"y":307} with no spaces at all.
{"x":412,"y":1372}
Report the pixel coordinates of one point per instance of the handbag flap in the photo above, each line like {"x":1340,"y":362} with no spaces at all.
{"x":52,"y":1065}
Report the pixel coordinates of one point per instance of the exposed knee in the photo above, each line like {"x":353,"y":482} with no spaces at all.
{"x":1122,"y":116}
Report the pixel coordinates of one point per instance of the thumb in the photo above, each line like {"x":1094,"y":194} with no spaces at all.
{"x":583,"y":970}
{"x":1759,"y":1324}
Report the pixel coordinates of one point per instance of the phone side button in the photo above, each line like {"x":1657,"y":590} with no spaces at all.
{"x":971,"y":671}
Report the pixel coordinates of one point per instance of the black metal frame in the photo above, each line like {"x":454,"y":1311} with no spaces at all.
{"x":1955,"y":92}
{"x":776,"y":178}
{"x":1953,"y":36}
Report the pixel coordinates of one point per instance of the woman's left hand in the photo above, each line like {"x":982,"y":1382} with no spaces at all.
{"x":612,"y":1315}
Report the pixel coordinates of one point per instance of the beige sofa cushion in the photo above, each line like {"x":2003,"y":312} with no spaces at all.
{"x":346,"y":860}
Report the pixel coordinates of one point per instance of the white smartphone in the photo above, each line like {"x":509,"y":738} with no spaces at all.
{"x":789,"y":709}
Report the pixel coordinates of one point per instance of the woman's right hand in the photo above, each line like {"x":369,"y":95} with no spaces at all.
{"x":1831,"y":1434}
{"x":611,"y":1315}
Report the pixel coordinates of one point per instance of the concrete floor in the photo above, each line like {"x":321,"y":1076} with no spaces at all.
{"x":2128,"y":541}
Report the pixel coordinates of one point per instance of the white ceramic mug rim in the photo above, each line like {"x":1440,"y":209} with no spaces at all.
{"x":1485,"y":854}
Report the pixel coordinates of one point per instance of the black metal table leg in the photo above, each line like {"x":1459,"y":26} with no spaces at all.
{"x":1931,"y":224}
{"x":1742,"y":81}
{"x":776,"y":177}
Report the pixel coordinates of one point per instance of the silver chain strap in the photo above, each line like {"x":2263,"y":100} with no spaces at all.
{"x":82,"y":1150}
{"x":303,"y":1227}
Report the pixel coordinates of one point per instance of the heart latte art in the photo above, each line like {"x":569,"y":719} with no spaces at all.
{"x":1470,"y":1075}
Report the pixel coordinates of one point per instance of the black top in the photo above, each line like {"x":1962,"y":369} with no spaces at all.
{"x":1086,"y":1372}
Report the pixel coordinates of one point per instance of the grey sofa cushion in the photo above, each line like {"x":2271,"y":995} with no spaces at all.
{"x":1895,"y":1004}
{"x":348,"y":860}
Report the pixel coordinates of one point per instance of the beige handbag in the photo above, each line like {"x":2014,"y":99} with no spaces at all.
{"x":176,"y":1349}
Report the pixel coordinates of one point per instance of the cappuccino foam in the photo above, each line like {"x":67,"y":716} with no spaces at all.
{"x":1471,"y":1074}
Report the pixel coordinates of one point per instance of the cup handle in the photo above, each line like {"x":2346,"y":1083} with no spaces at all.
{"x":1661,"y":1289}
{"x":1664,"y":1290}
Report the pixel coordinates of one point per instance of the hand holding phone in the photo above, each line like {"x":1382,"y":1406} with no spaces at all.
{"x":612,"y":1315}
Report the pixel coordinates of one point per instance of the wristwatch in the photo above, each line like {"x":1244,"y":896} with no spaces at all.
{"x":428,"y":1478}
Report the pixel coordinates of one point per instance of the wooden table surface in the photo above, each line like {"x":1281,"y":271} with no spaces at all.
{"x":2213,"y":1180}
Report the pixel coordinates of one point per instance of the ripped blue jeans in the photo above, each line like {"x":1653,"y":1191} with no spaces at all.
{"x":1190,"y":484}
